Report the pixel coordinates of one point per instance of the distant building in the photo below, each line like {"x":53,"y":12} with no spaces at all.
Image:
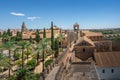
{"x":92,"y":35}
{"x":23,"y":27}
{"x":108,"y":65}
{"x":105,"y":54}
{"x":27,"y":33}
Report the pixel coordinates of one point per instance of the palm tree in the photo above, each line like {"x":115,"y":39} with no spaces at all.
{"x":8,"y":45}
{"x":5,"y":37}
{"x":38,"y":50}
{"x":44,"y":45}
{"x":23,"y":45}
{"x":15,"y":53}
{"x":4,"y":61}
{"x":28,"y":49}
{"x":59,"y":37}
{"x":25,"y":74}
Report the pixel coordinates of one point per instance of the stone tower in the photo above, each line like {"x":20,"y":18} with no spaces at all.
{"x":76,"y":27}
{"x":23,"y":27}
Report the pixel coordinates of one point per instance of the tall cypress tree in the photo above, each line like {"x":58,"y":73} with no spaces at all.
{"x":37,"y":37}
{"x":31,"y":40}
{"x":52,"y":36}
{"x":9,"y":33}
{"x":18,"y":36}
{"x":44,"y":33}
{"x":56,"y":48}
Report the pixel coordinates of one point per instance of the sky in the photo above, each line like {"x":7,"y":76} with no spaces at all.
{"x":37,"y":14}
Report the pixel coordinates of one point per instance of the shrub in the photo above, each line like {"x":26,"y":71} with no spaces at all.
{"x":48,"y":62}
{"x":16,"y":56}
{"x":12,"y":78}
{"x":19,"y":62}
{"x":31,"y":63}
{"x":60,"y":49}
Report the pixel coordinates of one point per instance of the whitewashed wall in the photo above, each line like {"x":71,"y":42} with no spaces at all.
{"x":108,"y":75}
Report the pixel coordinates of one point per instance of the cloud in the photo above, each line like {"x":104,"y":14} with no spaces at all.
{"x":32,"y":18}
{"x":17,"y":14}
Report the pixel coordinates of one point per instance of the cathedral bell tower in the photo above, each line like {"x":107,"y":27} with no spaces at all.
{"x":76,"y":27}
{"x":23,"y":27}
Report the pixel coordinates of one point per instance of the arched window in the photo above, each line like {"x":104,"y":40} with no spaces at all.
{"x":112,"y":70}
{"x":83,"y":49}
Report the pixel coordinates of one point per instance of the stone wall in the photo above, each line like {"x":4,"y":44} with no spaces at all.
{"x":115,"y":46}
{"x":103,"y":46}
{"x":83,"y":52}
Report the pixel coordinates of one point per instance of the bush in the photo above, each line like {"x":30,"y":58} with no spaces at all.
{"x":24,"y":56}
{"x":31,"y":63}
{"x":12,"y":78}
{"x":60,"y":49}
{"x":16,"y":56}
{"x":45,"y":56}
{"x":117,"y":39}
{"x":48,"y":62}
{"x":27,"y":52}
{"x":19,"y":62}
{"x":21,"y":73}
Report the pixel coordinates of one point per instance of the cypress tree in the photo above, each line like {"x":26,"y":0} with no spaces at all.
{"x":44,"y":33}
{"x":56,"y":48}
{"x":52,"y":36}
{"x":37,"y":37}
{"x":31,"y":40}
{"x":9,"y":33}
{"x":18,"y":36}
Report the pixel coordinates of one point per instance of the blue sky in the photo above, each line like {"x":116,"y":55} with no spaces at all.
{"x":38,"y":14}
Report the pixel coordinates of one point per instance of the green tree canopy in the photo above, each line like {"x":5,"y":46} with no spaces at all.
{"x":52,"y":37}
{"x":9,"y":32}
{"x":44,"y":33}
{"x":56,"y":47}
{"x":37,"y":37}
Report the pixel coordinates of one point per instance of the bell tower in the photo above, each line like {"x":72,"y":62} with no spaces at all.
{"x":23,"y":27}
{"x":76,"y":27}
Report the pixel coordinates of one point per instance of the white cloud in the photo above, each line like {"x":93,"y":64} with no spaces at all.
{"x":32,"y":18}
{"x":17,"y":14}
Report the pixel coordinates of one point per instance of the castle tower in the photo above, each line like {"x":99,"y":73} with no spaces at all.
{"x":23,"y":27}
{"x":76,"y":27}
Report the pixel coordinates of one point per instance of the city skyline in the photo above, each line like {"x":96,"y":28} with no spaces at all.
{"x":37,"y":14}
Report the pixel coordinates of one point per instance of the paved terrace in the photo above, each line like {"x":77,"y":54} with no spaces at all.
{"x":53,"y":73}
{"x":78,"y":71}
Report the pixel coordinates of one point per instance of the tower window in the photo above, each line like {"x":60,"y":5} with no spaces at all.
{"x":103,"y":71}
{"x":83,"y":49}
{"x":112,"y":70}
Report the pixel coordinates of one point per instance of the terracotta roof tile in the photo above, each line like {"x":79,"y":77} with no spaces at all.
{"x":107,"y":59}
